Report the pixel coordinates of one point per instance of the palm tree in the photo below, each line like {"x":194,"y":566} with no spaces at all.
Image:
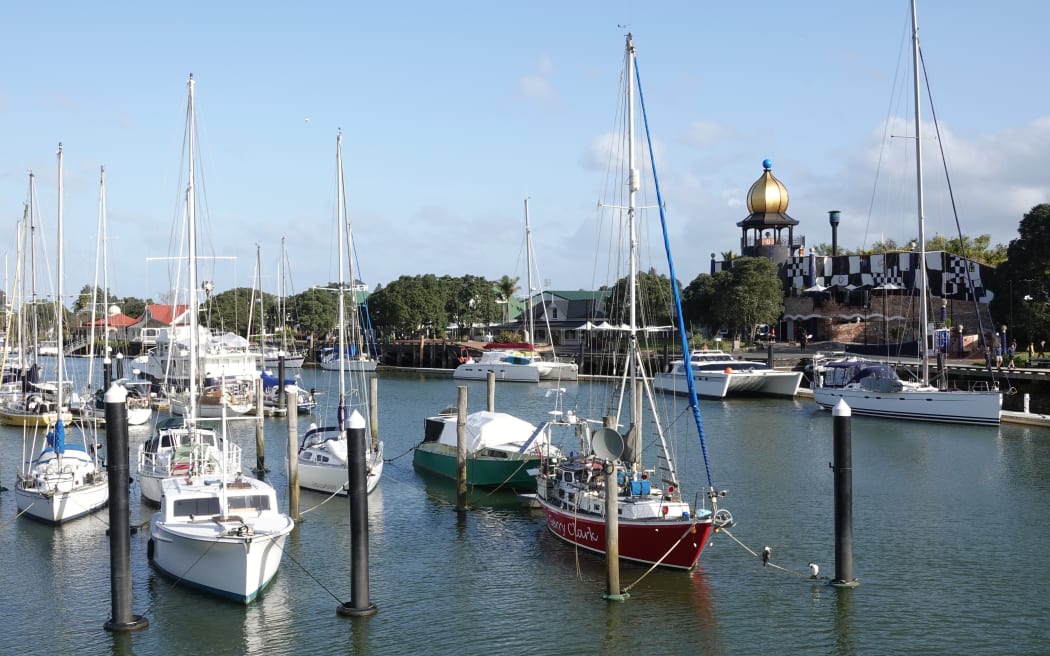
{"x":507,"y":287}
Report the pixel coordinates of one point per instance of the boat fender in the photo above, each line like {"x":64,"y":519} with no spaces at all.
{"x":729,"y":370}
{"x":149,"y":549}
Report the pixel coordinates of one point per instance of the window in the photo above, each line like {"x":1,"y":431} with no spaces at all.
{"x":256,"y":502}
{"x":204,"y":507}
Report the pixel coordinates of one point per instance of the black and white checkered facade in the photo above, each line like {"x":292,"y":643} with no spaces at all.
{"x":947,"y":272}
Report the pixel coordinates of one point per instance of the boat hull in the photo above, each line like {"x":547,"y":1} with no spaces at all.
{"x":351,"y":365}
{"x":485,"y":468}
{"x":511,"y":373}
{"x":718,"y":384}
{"x":675,"y":543}
{"x":235,"y":568}
{"x":331,"y":477}
{"x":949,"y":406}
{"x":59,"y":507}
{"x":33,"y":420}
{"x":290,"y":362}
{"x":557,"y":371}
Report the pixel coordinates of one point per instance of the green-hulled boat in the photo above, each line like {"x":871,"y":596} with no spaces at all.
{"x":502,"y":450}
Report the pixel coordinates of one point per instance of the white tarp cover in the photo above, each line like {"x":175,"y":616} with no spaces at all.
{"x":490,"y":429}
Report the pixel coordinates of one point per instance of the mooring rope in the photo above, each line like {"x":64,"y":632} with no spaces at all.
{"x":410,"y":450}
{"x":766,"y":561}
{"x":330,"y":497}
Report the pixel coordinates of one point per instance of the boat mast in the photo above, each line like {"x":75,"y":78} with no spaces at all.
{"x":58,"y":300}
{"x":923,"y":286}
{"x":528,"y":278}
{"x":281,"y":302}
{"x":341,"y":210}
{"x":34,"y":324}
{"x":632,"y":187}
{"x":191,"y":241}
{"x":262,"y":321}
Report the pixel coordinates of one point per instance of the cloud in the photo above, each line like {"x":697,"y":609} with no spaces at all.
{"x":537,"y":86}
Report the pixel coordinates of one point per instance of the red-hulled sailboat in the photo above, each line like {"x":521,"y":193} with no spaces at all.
{"x":655,"y":524}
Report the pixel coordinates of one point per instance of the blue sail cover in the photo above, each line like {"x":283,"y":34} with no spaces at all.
{"x":269,"y":380}
{"x":60,"y":437}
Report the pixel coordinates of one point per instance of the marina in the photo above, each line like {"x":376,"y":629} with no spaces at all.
{"x":452,"y":463}
{"x":495,"y":580}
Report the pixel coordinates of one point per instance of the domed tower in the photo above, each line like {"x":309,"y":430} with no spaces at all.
{"x":763,"y":229}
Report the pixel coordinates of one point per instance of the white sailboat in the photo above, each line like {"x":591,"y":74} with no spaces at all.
{"x":25,"y":399}
{"x":520,"y":362}
{"x":92,"y":409}
{"x":223,"y":534}
{"x":272,"y":352}
{"x":873,"y":388}
{"x":656,"y":524}
{"x":323,"y":452}
{"x":63,"y":481}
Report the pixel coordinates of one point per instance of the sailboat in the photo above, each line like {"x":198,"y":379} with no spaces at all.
{"x":323,"y":452}
{"x":63,"y":481}
{"x":272,"y":352}
{"x":656,"y":524}
{"x":219,"y":531}
{"x":520,"y":362}
{"x":25,"y":400}
{"x":873,"y":388}
{"x":552,"y":369}
{"x":353,"y":352}
{"x":92,"y":409}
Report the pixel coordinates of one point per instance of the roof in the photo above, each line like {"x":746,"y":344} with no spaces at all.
{"x":115,"y":321}
{"x":164,"y":313}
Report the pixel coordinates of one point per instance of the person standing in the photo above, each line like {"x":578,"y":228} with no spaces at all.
{"x":1011,"y":353}
{"x":1042,"y":348}
{"x":802,"y":339}
{"x":998,"y":354}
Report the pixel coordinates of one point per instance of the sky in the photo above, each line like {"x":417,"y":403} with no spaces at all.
{"x":453,"y":113}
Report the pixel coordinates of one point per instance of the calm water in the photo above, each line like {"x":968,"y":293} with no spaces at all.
{"x":949,"y":528}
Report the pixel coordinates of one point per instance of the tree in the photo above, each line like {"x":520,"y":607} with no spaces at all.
{"x":315,"y":311}
{"x":86,"y":298}
{"x":228,"y":311}
{"x":470,"y":300}
{"x":655,"y":300}
{"x":508,"y":287}
{"x":739,"y":299}
{"x":131,"y":306}
{"x":1022,"y":282}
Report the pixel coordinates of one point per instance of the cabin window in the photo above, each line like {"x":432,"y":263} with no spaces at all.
{"x":203,"y":507}
{"x":256,"y":502}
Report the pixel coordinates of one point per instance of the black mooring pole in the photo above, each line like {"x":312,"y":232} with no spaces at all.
{"x":280,"y":384}
{"x":358,"y":493}
{"x":119,"y":512}
{"x":843,"y":468}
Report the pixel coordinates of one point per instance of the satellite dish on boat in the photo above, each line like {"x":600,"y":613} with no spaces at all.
{"x":607,"y":444}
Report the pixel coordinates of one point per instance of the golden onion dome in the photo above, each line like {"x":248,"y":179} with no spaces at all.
{"x":767,"y":194}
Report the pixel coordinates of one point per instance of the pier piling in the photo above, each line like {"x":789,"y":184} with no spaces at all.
{"x":359,"y":605}
{"x":293,"y":457}
{"x":117,"y":459}
{"x":260,"y":439}
{"x":843,"y":468}
{"x":461,"y":450}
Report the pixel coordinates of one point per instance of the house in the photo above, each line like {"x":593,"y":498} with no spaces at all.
{"x":566,"y":313}
{"x":142,"y":335}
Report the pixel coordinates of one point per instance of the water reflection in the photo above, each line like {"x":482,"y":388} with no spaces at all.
{"x":844,"y":622}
